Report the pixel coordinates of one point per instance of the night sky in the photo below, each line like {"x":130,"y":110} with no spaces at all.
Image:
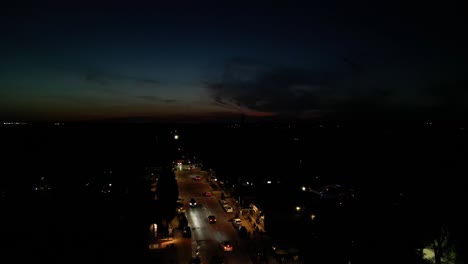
{"x":205,"y":60}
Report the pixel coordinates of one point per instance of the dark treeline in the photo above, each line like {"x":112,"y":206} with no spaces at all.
{"x":81,"y":194}
{"x":409,"y":181}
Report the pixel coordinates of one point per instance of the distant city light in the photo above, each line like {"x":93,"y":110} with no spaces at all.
{"x":268,"y":182}
{"x":312,"y":216}
{"x":298,"y":208}
{"x":303,"y":188}
{"x":176,"y":137}
{"x":14,"y":123}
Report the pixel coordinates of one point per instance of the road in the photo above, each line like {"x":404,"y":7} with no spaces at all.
{"x":206,"y":236}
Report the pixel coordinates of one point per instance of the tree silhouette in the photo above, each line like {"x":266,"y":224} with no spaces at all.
{"x":441,"y":244}
{"x":166,"y":189}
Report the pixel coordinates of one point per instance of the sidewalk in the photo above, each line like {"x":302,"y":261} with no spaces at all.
{"x":164,"y":252}
{"x":258,"y":241}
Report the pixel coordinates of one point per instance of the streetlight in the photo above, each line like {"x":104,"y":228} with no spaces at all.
{"x":176,"y":137}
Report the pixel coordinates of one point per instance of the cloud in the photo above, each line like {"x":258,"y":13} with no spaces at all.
{"x":250,"y":85}
{"x":153,"y":98}
{"x":348,"y":91}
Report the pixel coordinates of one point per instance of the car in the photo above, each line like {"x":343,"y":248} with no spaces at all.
{"x":197,"y":178}
{"x":207,"y":194}
{"x":193,"y":203}
{"x":180,"y":207}
{"x":237,"y":223}
{"x":212,"y":219}
{"x":187,"y":232}
{"x":228,"y":209}
{"x":227,"y":246}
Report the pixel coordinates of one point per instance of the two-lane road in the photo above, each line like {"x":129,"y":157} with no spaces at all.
{"x":205,"y":235}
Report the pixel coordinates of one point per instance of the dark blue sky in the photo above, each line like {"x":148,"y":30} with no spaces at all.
{"x":200,"y":60}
